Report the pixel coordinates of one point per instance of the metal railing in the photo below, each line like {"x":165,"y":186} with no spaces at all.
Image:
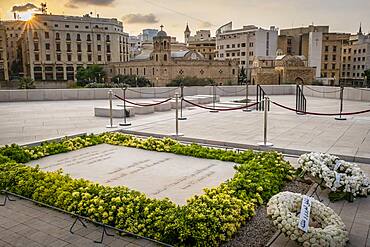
{"x":300,"y":100}
{"x":260,"y":96}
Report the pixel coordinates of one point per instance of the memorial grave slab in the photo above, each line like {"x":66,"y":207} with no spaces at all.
{"x":156,"y":174}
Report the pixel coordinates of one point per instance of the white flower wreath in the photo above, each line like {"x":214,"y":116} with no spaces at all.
{"x":283,"y":209}
{"x":335,"y":174}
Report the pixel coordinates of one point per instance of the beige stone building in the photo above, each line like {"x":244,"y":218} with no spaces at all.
{"x":356,"y":58}
{"x":14,"y":30}
{"x":53,"y":47}
{"x":163,"y":64}
{"x":331,"y":58}
{"x":321,"y":48}
{"x":4,"y":75}
{"x":295,"y":41}
{"x":284,"y":69}
{"x":201,"y":42}
{"x":245,"y":44}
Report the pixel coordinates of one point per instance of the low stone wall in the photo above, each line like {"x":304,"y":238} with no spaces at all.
{"x":14,"y":85}
{"x":166,"y":92}
{"x":349,"y":93}
{"x":149,"y":92}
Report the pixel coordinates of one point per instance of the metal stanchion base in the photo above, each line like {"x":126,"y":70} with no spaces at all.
{"x":111,"y":126}
{"x":300,"y":113}
{"x":178,"y":134}
{"x":263,"y":144}
{"x":182,"y":118}
{"x":214,"y":111}
{"x":247,"y":110}
{"x":124,"y":124}
{"x":340,"y":118}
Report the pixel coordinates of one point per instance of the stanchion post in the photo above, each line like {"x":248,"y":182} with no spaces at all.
{"x":214,"y":98}
{"x":125,"y":123}
{"x":110,"y":95}
{"x":182,"y":99}
{"x":341,"y":105}
{"x":246,"y":109}
{"x":176,"y":134}
{"x":265,"y":111}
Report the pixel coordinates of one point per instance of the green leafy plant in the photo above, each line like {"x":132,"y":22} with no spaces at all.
{"x":206,"y":220}
{"x":26,"y":83}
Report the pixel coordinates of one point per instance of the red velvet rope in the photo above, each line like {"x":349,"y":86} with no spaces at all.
{"x":218,"y":109}
{"x":319,"y":113}
{"x":133,"y":103}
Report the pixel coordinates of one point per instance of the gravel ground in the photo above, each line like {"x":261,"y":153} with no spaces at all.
{"x":258,"y":231}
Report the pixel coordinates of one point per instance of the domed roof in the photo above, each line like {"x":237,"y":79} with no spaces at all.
{"x":161,"y":33}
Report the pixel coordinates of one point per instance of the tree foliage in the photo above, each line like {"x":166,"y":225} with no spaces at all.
{"x":131,"y":80}
{"x":92,"y":73}
{"x":26,"y":83}
{"x":190,"y":81}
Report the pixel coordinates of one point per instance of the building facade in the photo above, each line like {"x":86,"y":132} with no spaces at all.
{"x":4,"y":74}
{"x":356,"y":57}
{"x":53,"y":47}
{"x":322,"y":49}
{"x":14,"y":30}
{"x":284,"y":69}
{"x":163,"y":64}
{"x":331,"y":58}
{"x":245,"y":44}
{"x":201,"y":42}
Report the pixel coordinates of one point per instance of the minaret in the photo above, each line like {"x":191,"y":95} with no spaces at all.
{"x":360,"y":30}
{"x":187,"y":33}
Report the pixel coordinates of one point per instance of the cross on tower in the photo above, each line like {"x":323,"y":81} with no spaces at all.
{"x":161,"y":26}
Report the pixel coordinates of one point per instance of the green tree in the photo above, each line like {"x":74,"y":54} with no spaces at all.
{"x":242,"y":75}
{"x":92,"y":73}
{"x":26,"y":83}
{"x":190,"y":81}
{"x":131,"y":80}
{"x":367,"y":74}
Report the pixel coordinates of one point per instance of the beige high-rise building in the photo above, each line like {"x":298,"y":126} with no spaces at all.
{"x":356,"y":58}
{"x":4,"y":75}
{"x":331,"y":59}
{"x":295,"y":41}
{"x":244,"y":44}
{"x":53,"y":47}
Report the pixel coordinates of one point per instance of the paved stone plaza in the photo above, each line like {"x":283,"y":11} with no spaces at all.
{"x":24,"y":122}
{"x":24,"y":224}
{"x":157,"y":174}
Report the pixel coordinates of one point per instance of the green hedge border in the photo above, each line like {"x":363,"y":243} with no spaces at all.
{"x":206,"y":220}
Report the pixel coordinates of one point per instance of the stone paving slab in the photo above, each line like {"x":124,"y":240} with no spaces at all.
{"x":157,"y":174}
{"x":25,"y":224}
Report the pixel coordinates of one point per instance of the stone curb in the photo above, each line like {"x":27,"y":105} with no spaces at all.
{"x":293,"y":152}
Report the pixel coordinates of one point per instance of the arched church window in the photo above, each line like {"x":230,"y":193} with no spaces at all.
{"x":156,"y":57}
{"x":165,"y":57}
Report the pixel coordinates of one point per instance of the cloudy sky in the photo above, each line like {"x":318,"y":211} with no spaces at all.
{"x":341,"y":15}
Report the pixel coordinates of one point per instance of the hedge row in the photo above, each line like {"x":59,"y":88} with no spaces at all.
{"x":206,"y":220}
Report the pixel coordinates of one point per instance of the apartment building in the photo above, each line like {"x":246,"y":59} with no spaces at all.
{"x":356,"y":57}
{"x":245,"y":44}
{"x":53,"y":47}
{"x":331,"y":58}
{"x":4,"y":75}
{"x":14,"y":30}
{"x":201,"y":42}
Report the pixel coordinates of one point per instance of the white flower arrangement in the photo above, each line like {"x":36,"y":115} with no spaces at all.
{"x":284,"y":208}
{"x":335,"y":174}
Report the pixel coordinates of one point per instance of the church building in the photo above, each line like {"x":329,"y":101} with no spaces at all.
{"x":162,"y":65}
